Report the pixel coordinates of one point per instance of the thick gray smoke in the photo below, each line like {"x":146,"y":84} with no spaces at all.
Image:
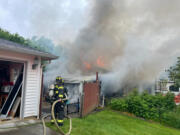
{"x":130,"y":41}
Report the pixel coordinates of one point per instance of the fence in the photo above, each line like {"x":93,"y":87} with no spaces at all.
{"x":90,"y":98}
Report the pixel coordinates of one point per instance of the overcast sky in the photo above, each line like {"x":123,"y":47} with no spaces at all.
{"x":136,"y":39}
{"x":59,"y":20}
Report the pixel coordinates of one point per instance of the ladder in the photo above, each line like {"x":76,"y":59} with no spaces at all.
{"x":11,"y":97}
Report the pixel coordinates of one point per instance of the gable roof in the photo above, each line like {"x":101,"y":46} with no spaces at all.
{"x":15,"y":47}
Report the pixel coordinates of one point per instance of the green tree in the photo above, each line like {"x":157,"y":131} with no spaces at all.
{"x":21,"y":40}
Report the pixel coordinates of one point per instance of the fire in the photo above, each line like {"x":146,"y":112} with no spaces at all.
{"x":87,"y":65}
{"x":100,"y":61}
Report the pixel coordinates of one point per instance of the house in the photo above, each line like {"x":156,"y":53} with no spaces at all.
{"x":20,"y":80}
{"x":163,"y":86}
{"x":83,"y":93}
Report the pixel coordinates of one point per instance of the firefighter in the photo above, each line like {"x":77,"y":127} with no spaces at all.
{"x":60,"y":93}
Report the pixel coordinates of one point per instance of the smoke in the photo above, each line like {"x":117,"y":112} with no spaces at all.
{"x":135,"y":39}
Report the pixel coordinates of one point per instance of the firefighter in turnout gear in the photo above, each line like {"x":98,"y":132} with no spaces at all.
{"x":60,"y":93}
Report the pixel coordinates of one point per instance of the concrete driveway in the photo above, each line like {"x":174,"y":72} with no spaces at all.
{"x":35,"y":129}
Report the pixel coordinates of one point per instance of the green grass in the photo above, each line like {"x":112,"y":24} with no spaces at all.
{"x":108,"y":122}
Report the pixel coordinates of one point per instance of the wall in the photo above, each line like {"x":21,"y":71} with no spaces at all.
{"x":32,"y":82}
{"x":90,"y":98}
{"x":73,"y":92}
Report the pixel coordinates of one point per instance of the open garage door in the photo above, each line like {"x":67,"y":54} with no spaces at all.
{"x":11,"y":81}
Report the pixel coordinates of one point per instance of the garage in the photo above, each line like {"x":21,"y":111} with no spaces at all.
{"x":21,"y":71}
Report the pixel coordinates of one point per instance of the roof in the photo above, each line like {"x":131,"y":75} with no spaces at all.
{"x":72,"y":79}
{"x":15,"y":47}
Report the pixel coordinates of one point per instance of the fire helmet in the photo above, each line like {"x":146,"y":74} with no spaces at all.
{"x":59,"y":79}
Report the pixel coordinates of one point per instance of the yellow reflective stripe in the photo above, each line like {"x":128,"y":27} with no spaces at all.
{"x":52,"y":120}
{"x":58,"y":78}
{"x":56,"y":86}
{"x":61,"y":87}
{"x":57,"y":92}
{"x":59,"y":121}
{"x":61,"y":96}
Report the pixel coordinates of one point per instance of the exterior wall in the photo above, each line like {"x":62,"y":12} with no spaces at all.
{"x":32,"y":82}
{"x":91,"y":97}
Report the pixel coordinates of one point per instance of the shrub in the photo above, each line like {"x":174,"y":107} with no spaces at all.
{"x":154,"y":107}
{"x":172,"y":118}
{"x":119,"y":105}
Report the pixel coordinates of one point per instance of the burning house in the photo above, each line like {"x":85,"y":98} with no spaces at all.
{"x":20,"y":80}
{"x":83,"y":93}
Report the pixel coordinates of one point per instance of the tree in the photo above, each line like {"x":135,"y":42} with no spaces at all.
{"x":21,"y":40}
{"x":174,"y":74}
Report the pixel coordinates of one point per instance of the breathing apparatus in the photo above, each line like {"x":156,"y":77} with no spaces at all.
{"x":51,"y":91}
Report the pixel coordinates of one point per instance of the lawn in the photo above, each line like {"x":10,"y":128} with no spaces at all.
{"x":108,"y":122}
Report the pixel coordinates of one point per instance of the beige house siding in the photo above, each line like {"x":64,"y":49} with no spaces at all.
{"x":32,"y":82}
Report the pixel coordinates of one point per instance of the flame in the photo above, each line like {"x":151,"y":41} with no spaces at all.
{"x":100,"y":61}
{"x":87,"y":65}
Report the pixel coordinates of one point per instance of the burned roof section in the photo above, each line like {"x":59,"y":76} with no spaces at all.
{"x":15,"y":47}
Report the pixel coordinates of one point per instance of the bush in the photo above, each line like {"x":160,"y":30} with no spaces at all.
{"x":119,"y":104}
{"x":154,"y":107}
{"x":172,"y":118}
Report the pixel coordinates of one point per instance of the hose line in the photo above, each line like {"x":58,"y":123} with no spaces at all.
{"x":53,"y":116}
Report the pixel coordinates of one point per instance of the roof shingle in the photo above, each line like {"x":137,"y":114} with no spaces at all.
{"x":15,"y":47}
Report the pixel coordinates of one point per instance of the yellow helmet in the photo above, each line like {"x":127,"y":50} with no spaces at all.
{"x":59,"y":79}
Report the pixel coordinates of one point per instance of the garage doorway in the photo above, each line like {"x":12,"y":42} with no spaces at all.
{"x":11,"y":85}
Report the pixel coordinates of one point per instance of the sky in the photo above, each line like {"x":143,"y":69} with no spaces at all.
{"x":59,"y":20}
{"x":134,"y":39}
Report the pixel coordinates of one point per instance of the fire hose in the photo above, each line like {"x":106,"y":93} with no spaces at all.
{"x":53,"y":116}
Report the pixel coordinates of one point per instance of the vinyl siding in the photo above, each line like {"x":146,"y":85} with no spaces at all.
{"x":32,"y":91}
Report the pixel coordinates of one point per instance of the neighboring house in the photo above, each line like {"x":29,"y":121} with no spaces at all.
{"x":20,"y":79}
{"x":163,"y":86}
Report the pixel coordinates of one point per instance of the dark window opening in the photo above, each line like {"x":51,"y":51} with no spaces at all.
{"x":174,"y":88}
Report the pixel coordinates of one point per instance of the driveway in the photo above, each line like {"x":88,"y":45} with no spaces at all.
{"x":35,"y":129}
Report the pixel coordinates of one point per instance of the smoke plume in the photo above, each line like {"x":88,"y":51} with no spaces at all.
{"x":130,"y":42}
